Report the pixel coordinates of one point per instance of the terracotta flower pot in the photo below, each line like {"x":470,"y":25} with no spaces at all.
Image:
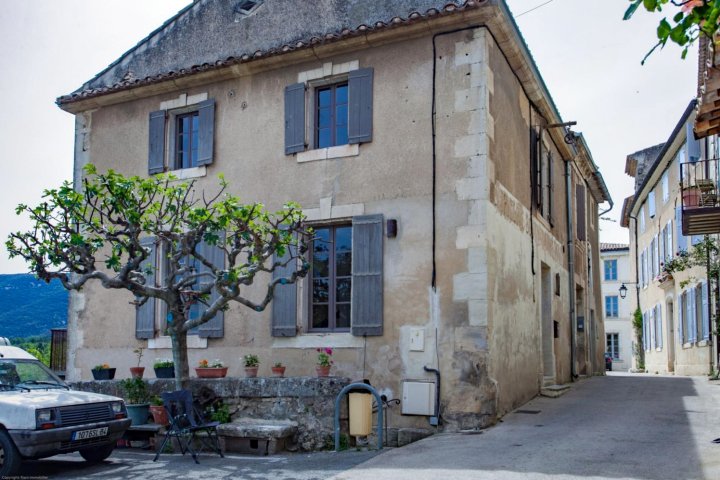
{"x":251,"y":372}
{"x":323,"y":371}
{"x":691,"y":197}
{"x":211,"y":372}
{"x":159,"y":414}
{"x":278,"y":371}
{"x":137,"y":372}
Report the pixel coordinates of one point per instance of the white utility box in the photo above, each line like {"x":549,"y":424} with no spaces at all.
{"x":418,"y":398}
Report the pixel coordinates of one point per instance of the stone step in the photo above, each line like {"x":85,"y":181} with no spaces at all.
{"x":548,"y":381}
{"x":257,"y":436}
{"x":554,"y":391}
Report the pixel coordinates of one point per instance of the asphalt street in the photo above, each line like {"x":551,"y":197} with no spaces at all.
{"x":622,"y":426}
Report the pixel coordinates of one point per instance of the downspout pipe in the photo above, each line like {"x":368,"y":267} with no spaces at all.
{"x":435,"y":420}
{"x":571,"y":266}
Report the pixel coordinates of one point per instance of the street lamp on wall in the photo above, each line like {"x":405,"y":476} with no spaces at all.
{"x":623,"y":291}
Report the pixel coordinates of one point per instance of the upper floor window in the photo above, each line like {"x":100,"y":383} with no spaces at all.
{"x":611,"y":306}
{"x":186,"y":140}
{"x":666,"y":186}
{"x":342,"y":107}
{"x":181,"y":137}
{"x":611,"y":269}
{"x":331,"y":117}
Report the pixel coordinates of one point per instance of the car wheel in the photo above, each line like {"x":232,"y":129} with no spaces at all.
{"x":9,"y":456}
{"x":97,"y":454}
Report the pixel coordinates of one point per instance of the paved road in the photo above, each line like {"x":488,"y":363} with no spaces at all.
{"x":622,"y":426}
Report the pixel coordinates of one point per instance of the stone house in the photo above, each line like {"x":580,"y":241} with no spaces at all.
{"x":676,"y":325}
{"x":456,"y":213}
{"x":617,"y":318}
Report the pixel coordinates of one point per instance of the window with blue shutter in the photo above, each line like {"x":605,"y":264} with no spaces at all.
{"x":651,"y":204}
{"x":610,"y":269}
{"x":342,"y":112}
{"x":692,"y":316}
{"x":658,"y":326}
{"x":611,"y":306}
{"x":693,"y":145}
{"x":651,"y":322}
{"x":367,"y":275}
{"x":669,"y":242}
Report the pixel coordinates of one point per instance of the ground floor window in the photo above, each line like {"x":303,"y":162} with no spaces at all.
{"x":331,"y":278}
{"x":612,"y":342}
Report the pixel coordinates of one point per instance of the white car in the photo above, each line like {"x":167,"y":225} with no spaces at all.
{"x":40,"y":416}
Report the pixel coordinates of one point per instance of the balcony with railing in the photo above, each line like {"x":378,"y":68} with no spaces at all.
{"x":700,"y":202}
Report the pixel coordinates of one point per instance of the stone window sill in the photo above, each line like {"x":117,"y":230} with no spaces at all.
{"x":193,"y":341}
{"x":341,"y":151}
{"x":319,"y":340}
{"x":188,"y":173}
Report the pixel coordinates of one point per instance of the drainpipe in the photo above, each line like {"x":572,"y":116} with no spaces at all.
{"x":571,"y":267}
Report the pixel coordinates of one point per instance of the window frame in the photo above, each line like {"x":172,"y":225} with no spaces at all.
{"x":332,"y":281}
{"x":613,"y":273}
{"x":173,"y":118}
{"x":612,"y":301}
{"x":176,"y":163}
{"x":614,"y":345}
{"x":332,"y":85}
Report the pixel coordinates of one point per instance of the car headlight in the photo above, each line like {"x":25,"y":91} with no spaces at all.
{"x":45,"y":418}
{"x":117,"y":407}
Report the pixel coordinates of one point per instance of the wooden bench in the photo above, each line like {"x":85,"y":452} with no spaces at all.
{"x":257,"y":436}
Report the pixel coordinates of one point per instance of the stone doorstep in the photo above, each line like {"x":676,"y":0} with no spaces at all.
{"x":554,"y":391}
{"x":256,"y":436}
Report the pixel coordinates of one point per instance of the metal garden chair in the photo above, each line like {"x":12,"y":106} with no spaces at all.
{"x":187,"y":426}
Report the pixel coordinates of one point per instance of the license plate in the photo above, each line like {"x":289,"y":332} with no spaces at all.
{"x":92,"y":433}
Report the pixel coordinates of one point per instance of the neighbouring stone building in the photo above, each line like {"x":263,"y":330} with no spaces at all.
{"x":426,"y":150}
{"x":619,"y":334}
{"x":676,"y":325}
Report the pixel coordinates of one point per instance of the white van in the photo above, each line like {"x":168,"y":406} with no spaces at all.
{"x":40,"y":416}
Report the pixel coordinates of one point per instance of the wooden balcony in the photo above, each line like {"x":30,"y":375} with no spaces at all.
{"x":700,"y":205}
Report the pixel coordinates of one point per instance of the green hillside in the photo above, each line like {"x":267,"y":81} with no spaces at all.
{"x":29,"y":306}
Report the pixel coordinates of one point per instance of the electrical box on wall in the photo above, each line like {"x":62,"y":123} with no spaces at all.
{"x":417,"y":340}
{"x":418,"y":398}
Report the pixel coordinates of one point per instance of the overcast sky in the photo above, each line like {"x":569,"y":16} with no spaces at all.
{"x":588,"y":57}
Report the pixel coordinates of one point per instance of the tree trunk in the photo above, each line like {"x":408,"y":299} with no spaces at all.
{"x":179,"y":352}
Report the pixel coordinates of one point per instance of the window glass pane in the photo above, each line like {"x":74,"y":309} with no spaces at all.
{"x":321,"y":249}
{"x":341,"y":94}
{"x":182,"y":125}
{"x":341,"y":115}
{"x":321,"y":294}
{"x":343,"y":251}
{"x":185,"y":143}
{"x":324,"y":97}
{"x":195,"y":122}
{"x":324,"y":117}
{"x":341,"y":136}
{"x":343,"y":290}
{"x":320,"y":316}
{"x":342,"y":316}
{"x":324,"y":138}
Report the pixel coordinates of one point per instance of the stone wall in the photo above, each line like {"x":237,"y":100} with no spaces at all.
{"x":309,"y":401}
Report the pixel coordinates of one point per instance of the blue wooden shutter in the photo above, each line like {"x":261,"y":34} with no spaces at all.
{"x":156,"y":149}
{"x":367,"y":275}
{"x":692,"y":324}
{"x":659,"y":326}
{"x":661,"y":246}
{"x":294,"y":118}
{"x":669,"y":242}
{"x":360,"y":100}
{"x":646,"y":333}
{"x":284,"y":304}
{"x":682,"y":317}
{"x":651,"y":323}
{"x":145,"y":315}
{"x":693,"y":146}
{"x":215,"y":327}
{"x":705,"y":320}
{"x":681,"y":239}
{"x":206,"y":131}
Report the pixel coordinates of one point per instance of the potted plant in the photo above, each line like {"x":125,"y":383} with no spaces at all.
{"x":158,"y":412}
{"x":164,"y":368}
{"x":278,"y":370}
{"x":214,"y":369}
{"x":103,"y":372}
{"x":252,"y":362}
{"x":137,"y":371}
{"x":691,"y":196}
{"x":136,"y":396}
{"x":324,"y":362}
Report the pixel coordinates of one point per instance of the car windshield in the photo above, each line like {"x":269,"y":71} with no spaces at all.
{"x":27,"y":374}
